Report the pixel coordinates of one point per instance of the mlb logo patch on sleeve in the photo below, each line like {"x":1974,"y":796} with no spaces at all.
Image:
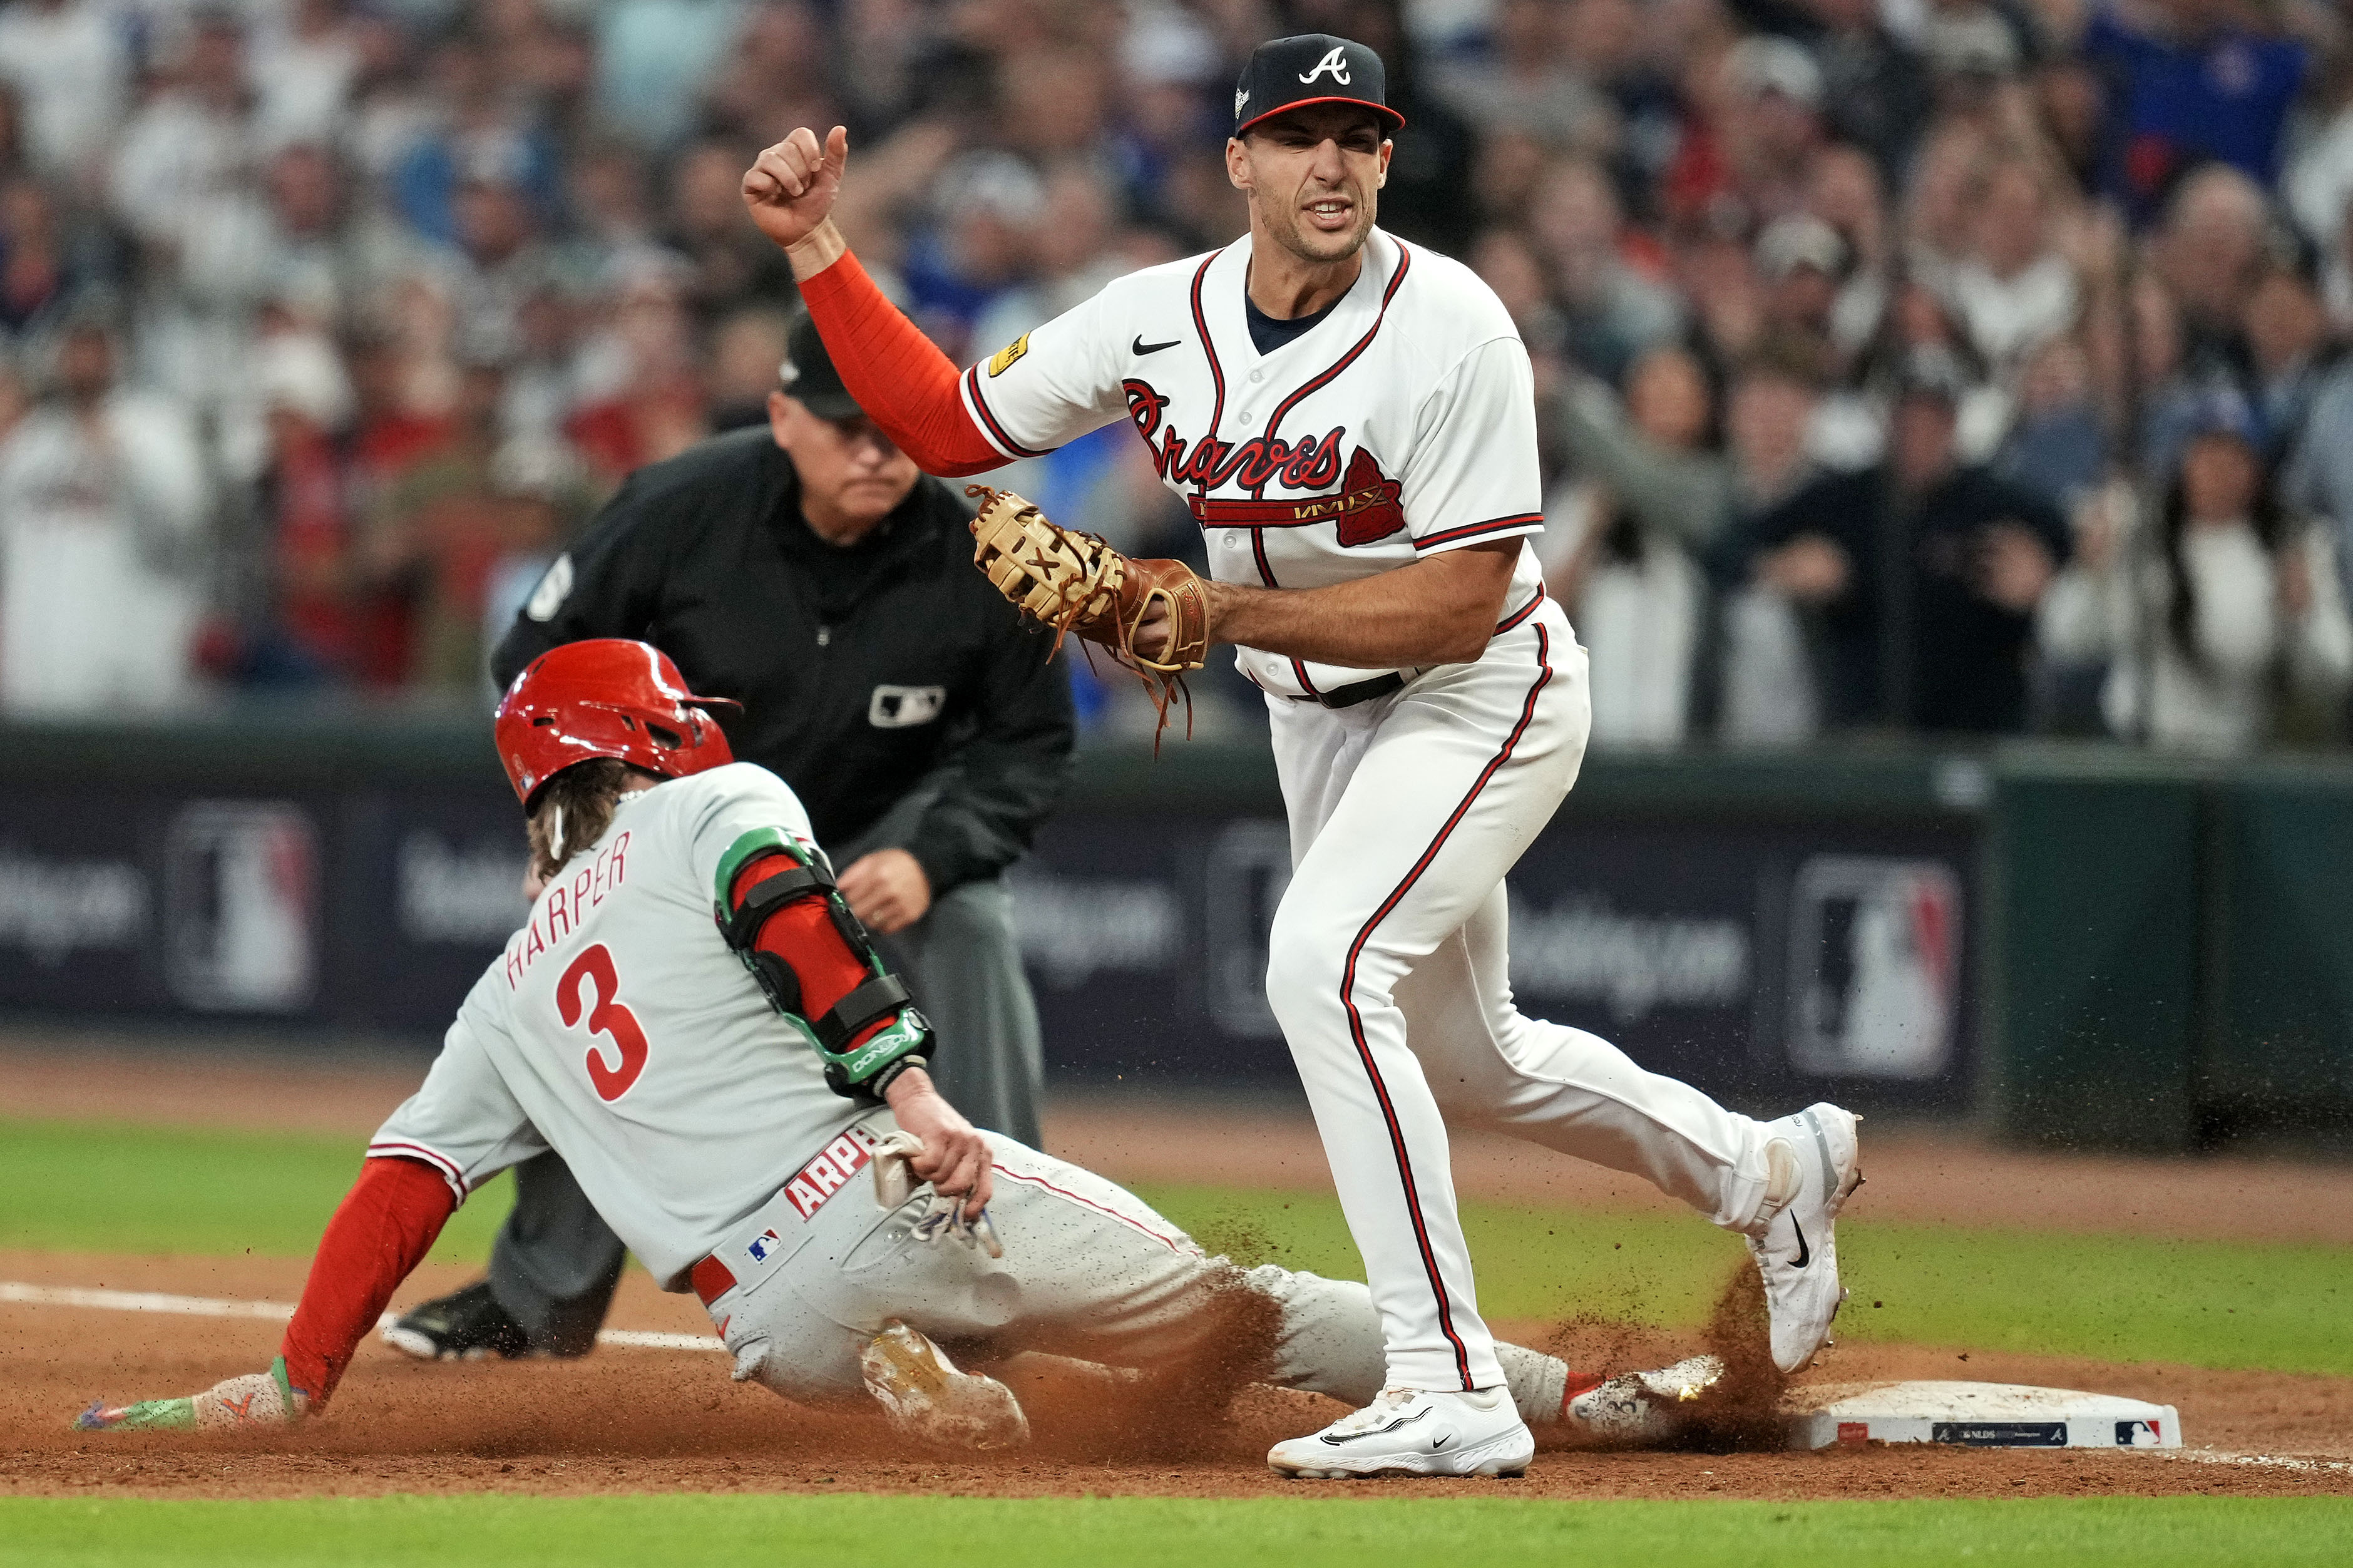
{"x":903,"y":707}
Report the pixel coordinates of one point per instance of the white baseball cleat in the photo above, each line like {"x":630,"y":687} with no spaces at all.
{"x":1814,"y":1160}
{"x":928,"y":1399}
{"x":1414,"y":1431}
{"x":1644,"y":1409}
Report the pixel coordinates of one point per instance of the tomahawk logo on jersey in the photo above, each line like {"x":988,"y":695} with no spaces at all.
{"x":1303,"y":466}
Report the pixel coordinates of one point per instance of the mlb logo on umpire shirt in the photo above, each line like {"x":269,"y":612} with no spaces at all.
{"x":905,"y":707}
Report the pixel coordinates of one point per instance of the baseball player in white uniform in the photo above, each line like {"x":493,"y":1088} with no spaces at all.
{"x":1350,"y":419}
{"x":693,"y":1018}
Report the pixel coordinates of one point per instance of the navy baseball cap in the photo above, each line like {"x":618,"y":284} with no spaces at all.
{"x":1313,"y":68}
{"x":808,"y":374}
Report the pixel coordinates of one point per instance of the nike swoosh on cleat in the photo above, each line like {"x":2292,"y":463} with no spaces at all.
{"x":1805,"y":1255}
{"x":1140,"y":347}
{"x":1438,"y":1443}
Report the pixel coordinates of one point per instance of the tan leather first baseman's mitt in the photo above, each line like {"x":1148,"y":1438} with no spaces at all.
{"x":1074,"y":582}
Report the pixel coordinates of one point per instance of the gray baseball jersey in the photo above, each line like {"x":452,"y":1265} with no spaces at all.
{"x":618,"y":1028}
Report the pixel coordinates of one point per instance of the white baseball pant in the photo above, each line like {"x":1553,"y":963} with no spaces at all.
{"x":1389,"y":969}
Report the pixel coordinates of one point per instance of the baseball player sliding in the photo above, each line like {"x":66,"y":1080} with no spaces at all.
{"x":696,"y":1023}
{"x":1350,"y":419}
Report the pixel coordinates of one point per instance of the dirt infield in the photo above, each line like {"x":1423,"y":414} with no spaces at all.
{"x":632,"y":1420}
{"x":625,"y":1420}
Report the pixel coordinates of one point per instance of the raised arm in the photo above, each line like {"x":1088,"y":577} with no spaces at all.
{"x":898,"y":377}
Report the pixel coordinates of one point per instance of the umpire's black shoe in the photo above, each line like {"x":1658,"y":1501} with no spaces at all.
{"x":464,"y":1325}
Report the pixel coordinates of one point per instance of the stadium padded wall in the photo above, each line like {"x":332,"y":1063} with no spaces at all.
{"x":2094,"y":948}
{"x":2275,"y":1047}
{"x":2079,"y":943}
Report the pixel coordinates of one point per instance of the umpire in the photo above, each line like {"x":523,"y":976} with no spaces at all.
{"x":809,"y":571}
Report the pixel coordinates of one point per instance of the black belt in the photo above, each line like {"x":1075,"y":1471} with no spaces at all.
{"x":1362,"y":692}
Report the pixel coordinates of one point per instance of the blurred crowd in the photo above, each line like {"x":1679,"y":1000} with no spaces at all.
{"x":1948,"y":365}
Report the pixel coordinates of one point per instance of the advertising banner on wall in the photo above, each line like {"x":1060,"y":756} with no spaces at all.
{"x":1768,"y":963}
{"x":1760,"y":962}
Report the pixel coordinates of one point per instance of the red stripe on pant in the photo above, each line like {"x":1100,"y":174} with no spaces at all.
{"x":1357,"y":1022}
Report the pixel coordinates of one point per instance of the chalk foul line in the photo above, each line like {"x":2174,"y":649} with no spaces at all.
{"x":2258,"y":1461}
{"x":14,"y":1292}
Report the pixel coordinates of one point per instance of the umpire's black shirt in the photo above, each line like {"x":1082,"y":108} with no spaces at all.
{"x":861,"y":670}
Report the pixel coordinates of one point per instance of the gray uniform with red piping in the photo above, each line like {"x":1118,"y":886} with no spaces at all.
{"x":619,"y":1029}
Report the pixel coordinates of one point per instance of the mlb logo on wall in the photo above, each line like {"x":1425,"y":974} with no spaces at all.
{"x":240,"y":907}
{"x":1874,"y":966}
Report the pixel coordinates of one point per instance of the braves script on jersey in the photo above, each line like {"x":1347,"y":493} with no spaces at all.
{"x":618,"y":1028}
{"x":1401,"y":426}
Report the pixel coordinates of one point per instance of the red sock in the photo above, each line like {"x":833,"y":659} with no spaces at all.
{"x":1578,"y":1383}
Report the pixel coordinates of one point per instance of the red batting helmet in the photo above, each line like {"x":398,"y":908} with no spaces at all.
{"x":607,"y":696}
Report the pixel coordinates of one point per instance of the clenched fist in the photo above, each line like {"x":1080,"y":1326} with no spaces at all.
{"x":789,"y":191}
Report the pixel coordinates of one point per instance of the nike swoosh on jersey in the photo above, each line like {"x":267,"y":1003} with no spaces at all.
{"x":1140,"y":347}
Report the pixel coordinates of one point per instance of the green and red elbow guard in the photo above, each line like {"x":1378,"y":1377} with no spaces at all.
{"x":780,"y":912}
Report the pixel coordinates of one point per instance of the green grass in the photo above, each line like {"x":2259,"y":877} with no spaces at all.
{"x":2117,"y":1298}
{"x":1144,"y":1532}
{"x":73,"y":1187}
{"x":84,"y":1187}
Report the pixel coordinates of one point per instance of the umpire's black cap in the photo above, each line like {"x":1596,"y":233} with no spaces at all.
{"x":807,"y":374}
{"x":1313,"y":68}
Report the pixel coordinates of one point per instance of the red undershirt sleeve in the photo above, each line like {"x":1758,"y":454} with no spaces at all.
{"x":387,"y":1224}
{"x":897,"y":375}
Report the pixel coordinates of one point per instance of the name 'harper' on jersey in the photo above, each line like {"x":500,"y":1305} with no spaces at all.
{"x":566,"y":907}
{"x":1303,"y":465}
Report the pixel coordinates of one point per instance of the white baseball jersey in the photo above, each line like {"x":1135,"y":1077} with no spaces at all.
{"x":619,"y":1028}
{"x":1401,"y":426}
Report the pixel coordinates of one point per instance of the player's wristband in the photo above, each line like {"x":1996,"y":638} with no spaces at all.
{"x":879,"y":1086}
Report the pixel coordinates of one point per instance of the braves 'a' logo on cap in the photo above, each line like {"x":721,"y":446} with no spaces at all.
{"x":1242,"y":96}
{"x":1334,"y":60}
